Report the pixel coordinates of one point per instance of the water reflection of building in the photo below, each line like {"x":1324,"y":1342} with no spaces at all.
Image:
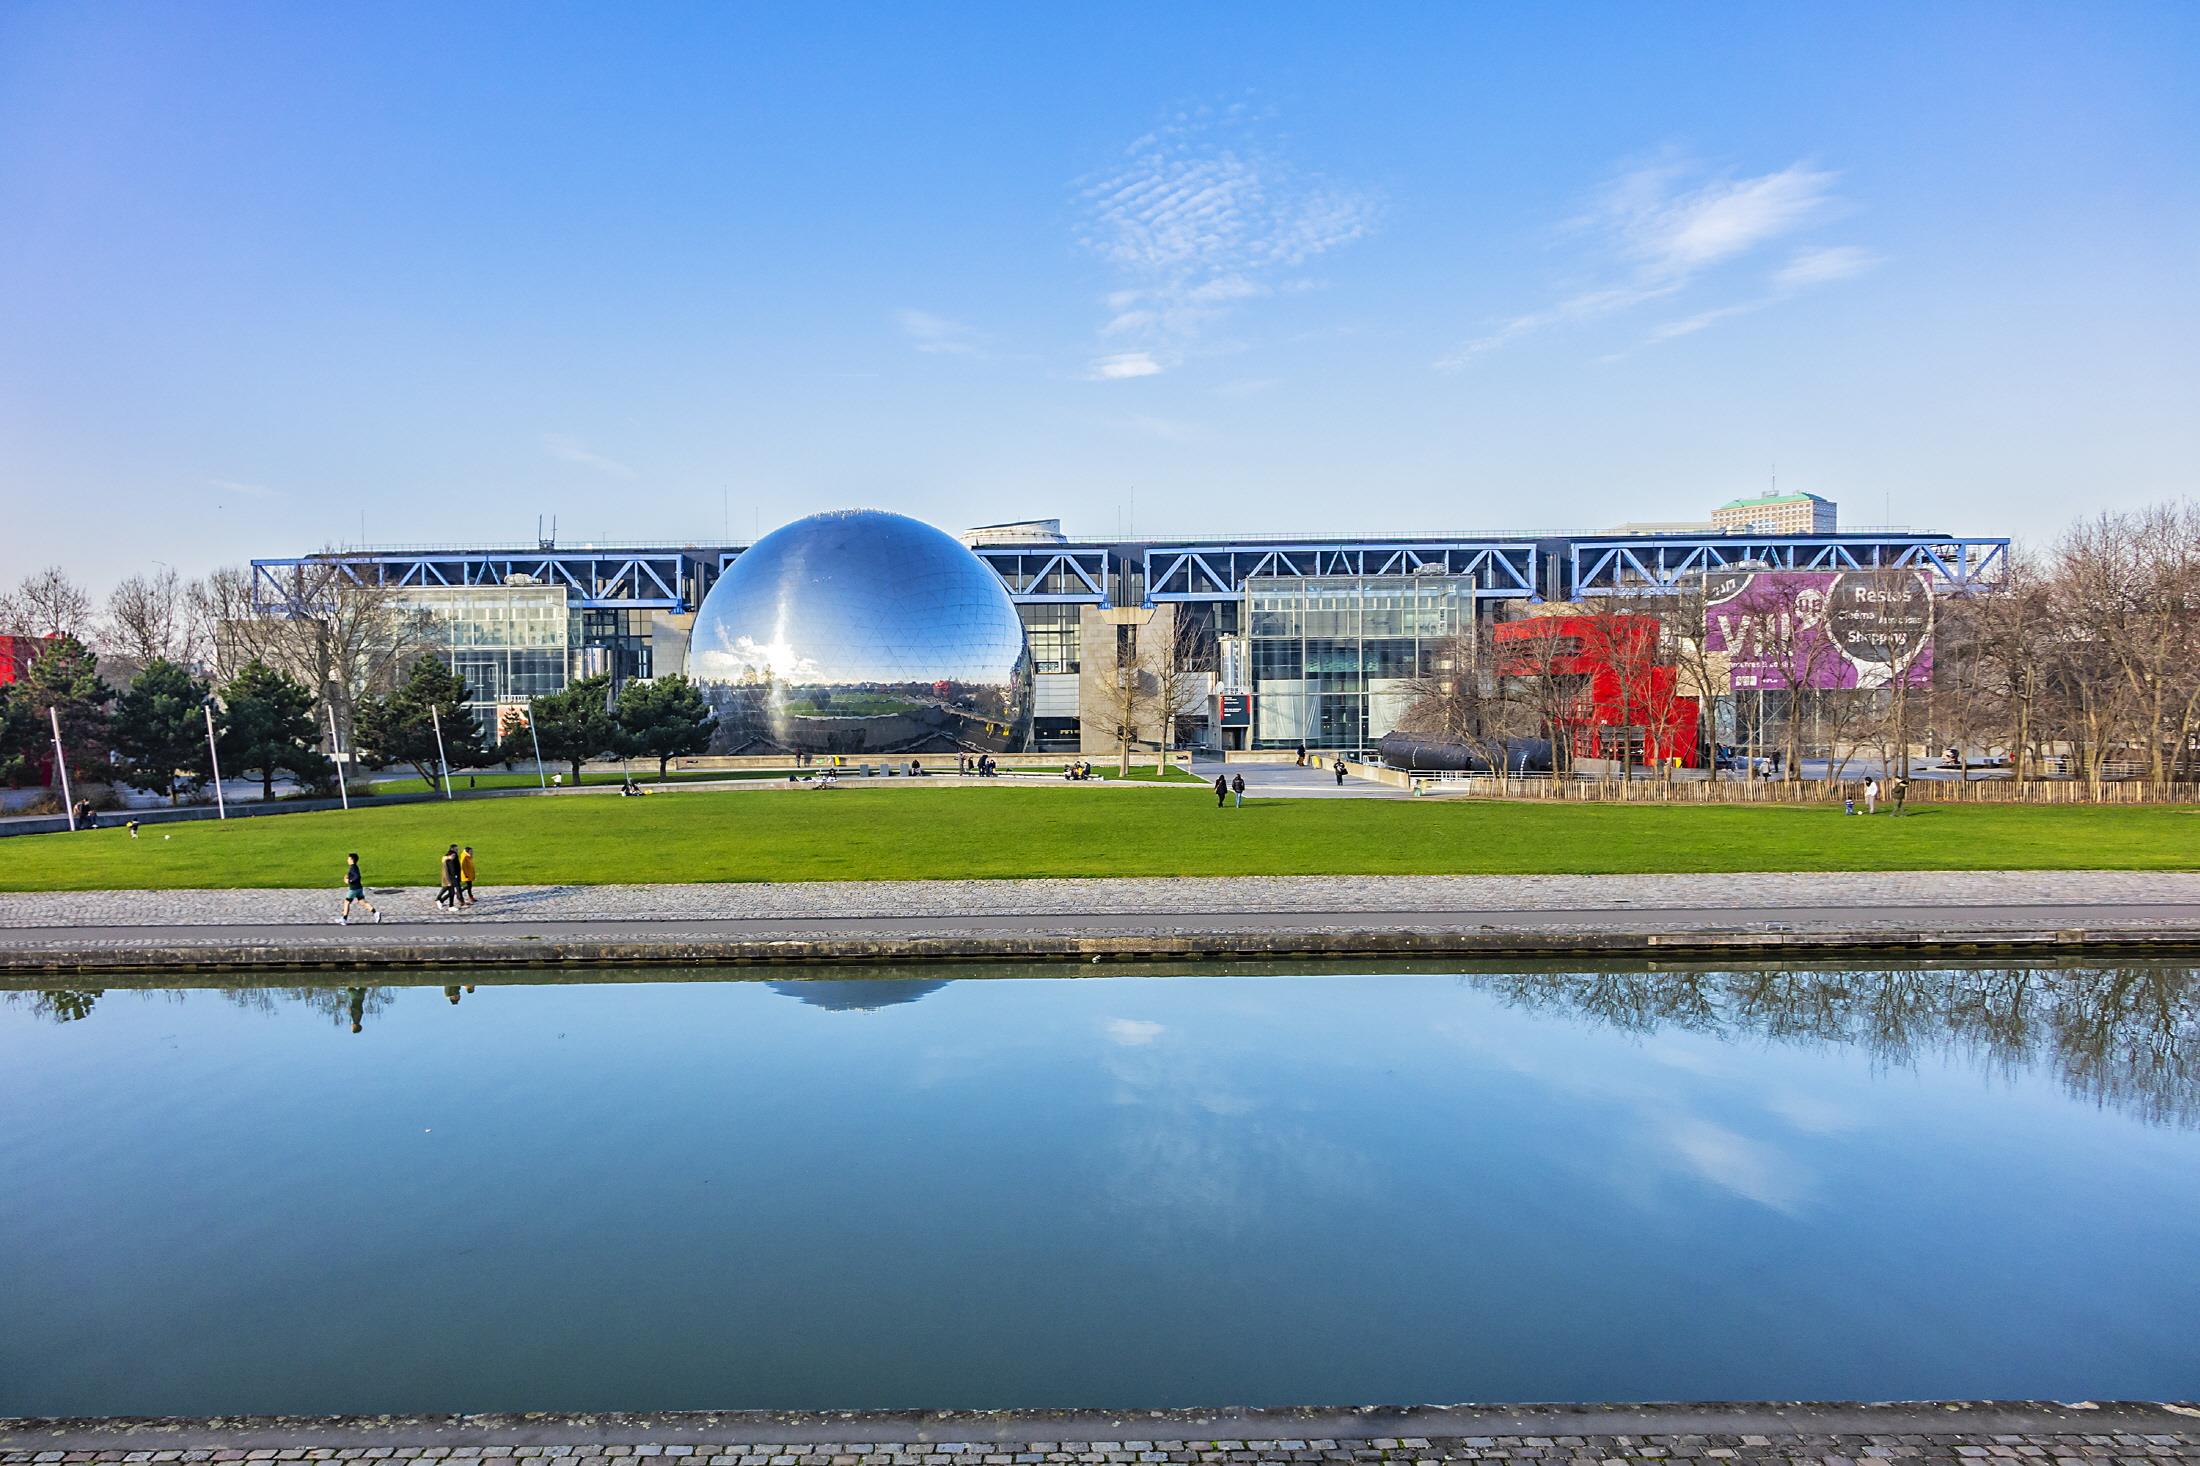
{"x":843,"y":995}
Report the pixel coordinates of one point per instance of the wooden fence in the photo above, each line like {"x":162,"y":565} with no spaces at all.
{"x":1800,"y":791}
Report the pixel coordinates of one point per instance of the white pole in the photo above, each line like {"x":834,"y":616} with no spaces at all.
{"x":435,"y":715}
{"x":336,"y":751}
{"x":221,"y":806}
{"x":542,"y":776}
{"x":61,"y":762}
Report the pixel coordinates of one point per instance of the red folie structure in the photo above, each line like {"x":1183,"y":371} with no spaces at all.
{"x":1623,"y":685}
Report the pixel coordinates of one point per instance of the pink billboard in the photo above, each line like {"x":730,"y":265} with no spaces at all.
{"x":1822,"y":629}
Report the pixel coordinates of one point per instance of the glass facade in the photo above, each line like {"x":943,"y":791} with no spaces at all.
{"x":1051,"y":628}
{"x":1332,"y":656}
{"x":612,"y":641}
{"x":509,"y":642}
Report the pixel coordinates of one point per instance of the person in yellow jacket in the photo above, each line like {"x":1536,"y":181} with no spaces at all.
{"x":466,"y":876}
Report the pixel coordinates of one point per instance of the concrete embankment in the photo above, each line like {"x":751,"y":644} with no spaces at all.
{"x":1772,"y":1434}
{"x":1649,"y":918}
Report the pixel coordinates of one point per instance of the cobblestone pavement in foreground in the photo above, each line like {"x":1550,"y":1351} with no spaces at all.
{"x":1345,"y":896}
{"x":2111,"y":1448}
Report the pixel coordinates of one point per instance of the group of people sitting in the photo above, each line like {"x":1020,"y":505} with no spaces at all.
{"x":980,"y":764}
{"x":628,"y":789}
{"x":1079,"y":771}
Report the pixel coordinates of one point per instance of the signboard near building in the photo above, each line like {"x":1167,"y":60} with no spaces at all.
{"x":1779,"y":629}
{"x":1234,"y":709}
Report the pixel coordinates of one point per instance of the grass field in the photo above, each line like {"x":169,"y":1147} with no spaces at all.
{"x":913,"y":832}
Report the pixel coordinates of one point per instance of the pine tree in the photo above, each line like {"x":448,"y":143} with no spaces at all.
{"x":65,"y":678}
{"x":665,"y":718}
{"x":266,"y":724}
{"x":577,"y":724}
{"x":399,"y":727}
{"x":159,"y":727}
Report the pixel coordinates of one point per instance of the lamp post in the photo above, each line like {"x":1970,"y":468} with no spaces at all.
{"x":541,"y":776}
{"x":443,"y":760}
{"x":61,"y":762}
{"x":221,"y":805}
{"x":336,"y":751}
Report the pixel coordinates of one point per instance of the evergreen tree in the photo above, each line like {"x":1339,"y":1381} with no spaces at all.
{"x":266,"y":724}
{"x":399,"y":727}
{"x":664,"y":719}
{"x":577,"y":724}
{"x":19,"y":737}
{"x":64,"y":677}
{"x":160,"y":727}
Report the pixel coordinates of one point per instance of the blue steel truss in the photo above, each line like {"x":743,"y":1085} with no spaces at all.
{"x":659,"y":579}
{"x":1041,"y":573}
{"x":1218,"y":572}
{"x":1646,"y":566}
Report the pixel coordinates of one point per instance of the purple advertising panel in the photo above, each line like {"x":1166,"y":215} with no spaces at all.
{"x":1821,"y":629}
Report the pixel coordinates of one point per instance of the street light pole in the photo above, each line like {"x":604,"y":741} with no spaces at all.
{"x":443,"y":760}
{"x":541,"y":777}
{"x":221,"y":805}
{"x":336,"y":751}
{"x":61,"y":762}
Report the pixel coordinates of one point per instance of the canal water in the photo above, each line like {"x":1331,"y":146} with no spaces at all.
{"x":1203,"y":1186}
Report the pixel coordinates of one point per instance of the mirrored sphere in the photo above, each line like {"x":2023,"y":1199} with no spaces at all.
{"x":862,"y":632}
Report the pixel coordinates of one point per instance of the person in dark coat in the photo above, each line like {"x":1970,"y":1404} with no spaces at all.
{"x":1340,"y":771}
{"x":447,"y":894}
{"x":1237,"y":787}
{"x":1222,"y":791}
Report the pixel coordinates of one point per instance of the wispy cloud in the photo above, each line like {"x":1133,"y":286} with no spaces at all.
{"x":1124,"y":365}
{"x":1134,"y":1032}
{"x":1200,"y":217}
{"x":571,"y":450}
{"x":937,"y":335}
{"x":1659,"y":230}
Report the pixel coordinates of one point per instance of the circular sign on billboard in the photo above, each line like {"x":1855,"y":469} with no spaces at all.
{"x":1880,"y":622}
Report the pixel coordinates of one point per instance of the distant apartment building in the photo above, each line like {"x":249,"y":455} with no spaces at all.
{"x":1776,"y":514}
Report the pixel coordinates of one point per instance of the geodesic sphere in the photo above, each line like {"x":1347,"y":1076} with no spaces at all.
{"x":861,"y":632}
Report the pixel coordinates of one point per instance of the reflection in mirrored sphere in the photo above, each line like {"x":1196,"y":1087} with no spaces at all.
{"x":862,"y":632}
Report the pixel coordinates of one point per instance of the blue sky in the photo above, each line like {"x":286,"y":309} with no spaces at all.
{"x":271,"y":272}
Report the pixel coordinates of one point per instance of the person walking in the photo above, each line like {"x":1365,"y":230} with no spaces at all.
{"x":446,"y":894}
{"x":1871,"y":796}
{"x":1237,"y":787}
{"x":355,"y":891}
{"x":1302,"y":753}
{"x":1340,"y":771}
{"x":1222,"y":791}
{"x":1901,"y":793}
{"x":466,"y":876}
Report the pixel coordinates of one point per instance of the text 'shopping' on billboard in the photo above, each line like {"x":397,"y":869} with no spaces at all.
{"x":1821,"y":629}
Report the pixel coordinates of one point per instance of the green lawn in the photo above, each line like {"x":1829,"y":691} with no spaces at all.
{"x":905,"y":831}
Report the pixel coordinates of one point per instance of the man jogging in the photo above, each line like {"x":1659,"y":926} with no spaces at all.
{"x":355,"y":891}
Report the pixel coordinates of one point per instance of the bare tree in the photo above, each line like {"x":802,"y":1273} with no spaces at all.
{"x":1127,"y":694}
{"x":48,"y":603}
{"x":1543,"y":665}
{"x":1177,"y":680}
{"x":1780,"y":622}
{"x":149,"y":619}
{"x":341,"y":636}
{"x":1457,"y":699}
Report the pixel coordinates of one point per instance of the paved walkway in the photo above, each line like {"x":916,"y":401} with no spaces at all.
{"x":1760,"y":914}
{"x":1719,"y":1435}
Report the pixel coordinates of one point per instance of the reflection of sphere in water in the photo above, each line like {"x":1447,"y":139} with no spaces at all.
{"x":846,"y":994}
{"x":862,"y":633}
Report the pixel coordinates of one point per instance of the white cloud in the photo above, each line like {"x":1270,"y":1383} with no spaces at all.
{"x":571,"y":450}
{"x":1656,"y":231}
{"x":1123,"y":366}
{"x":1747,"y":1168}
{"x":937,"y":335}
{"x":1198,"y":217}
{"x":1134,"y":1032}
{"x":1824,"y":266}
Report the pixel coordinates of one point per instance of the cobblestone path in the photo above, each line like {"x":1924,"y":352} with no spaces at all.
{"x":1347,"y":896}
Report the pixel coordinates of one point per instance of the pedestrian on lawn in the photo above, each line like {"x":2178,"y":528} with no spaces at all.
{"x":1901,"y":793}
{"x":1237,"y":787}
{"x":1222,"y":791}
{"x":355,"y":891}
{"x":466,"y":875}
{"x":1871,"y":796}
